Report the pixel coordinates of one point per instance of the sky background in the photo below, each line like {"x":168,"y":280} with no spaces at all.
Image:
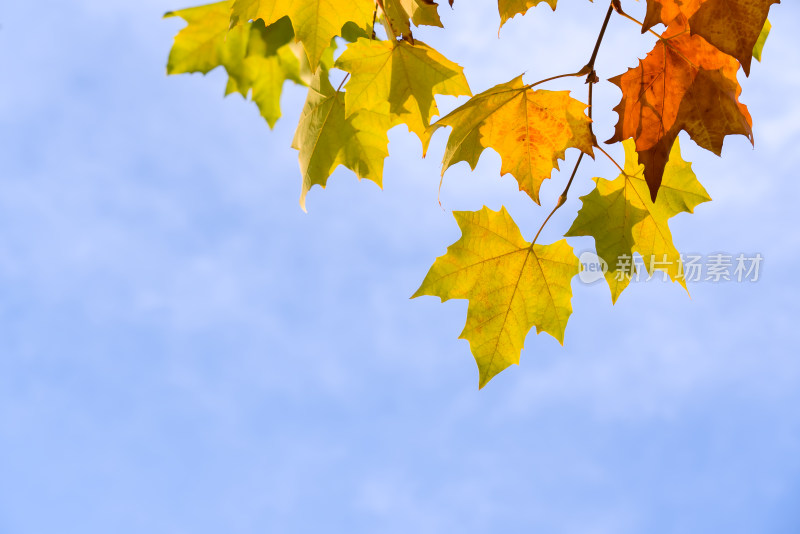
{"x":183,"y":350}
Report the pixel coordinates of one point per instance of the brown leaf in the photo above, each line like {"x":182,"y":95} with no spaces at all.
{"x":733,"y":26}
{"x":684,"y":83}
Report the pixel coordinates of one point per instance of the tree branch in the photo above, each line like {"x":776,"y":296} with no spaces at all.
{"x":591,"y":79}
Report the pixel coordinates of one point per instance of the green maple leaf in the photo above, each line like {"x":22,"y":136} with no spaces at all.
{"x":315,"y":22}
{"x":530,"y":130}
{"x":259,"y":59}
{"x":511,"y":8}
{"x":622,"y":219}
{"x":326,"y":138}
{"x":399,"y":79}
{"x":511,"y":286}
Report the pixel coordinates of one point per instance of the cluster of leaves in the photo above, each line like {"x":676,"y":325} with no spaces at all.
{"x":688,"y":82}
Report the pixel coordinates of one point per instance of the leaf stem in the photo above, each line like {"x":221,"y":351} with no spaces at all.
{"x":641,"y":24}
{"x":551,"y":78}
{"x":598,"y":147}
{"x":341,"y":84}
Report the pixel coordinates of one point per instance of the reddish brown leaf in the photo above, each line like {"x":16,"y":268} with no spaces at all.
{"x":684,"y":83}
{"x":733,"y":26}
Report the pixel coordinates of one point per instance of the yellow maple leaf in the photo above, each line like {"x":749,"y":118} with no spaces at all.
{"x":530,"y":129}
{"x":315,"y":22}
{"x":511,"y":8}
{"x":512,"y":286}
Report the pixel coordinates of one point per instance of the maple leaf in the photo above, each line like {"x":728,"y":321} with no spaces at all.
{"x":326,"y":138}
{"x":511,"y":8}
{"x":259,"y":59}
{"x":315,"y":22}
{"x":398,"y":79}
{"x":423,"y":12}
{"x":530,"y":129}
{"x":402,"y":13}
{"x":733,"y":26}
{"x":684,"y":83}
{"x":622,"y":218}
{"x":511,"y":286}
{"x":269,"y":62}
{"x":242,"y":11}
{"x":205,"y":43}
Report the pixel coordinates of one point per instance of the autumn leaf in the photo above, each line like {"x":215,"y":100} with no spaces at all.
{"x":511,"y":8}
{"x":732,"y":26}
{"x":326,"y":139}
{"x":401,"y":14}
{"x":530,"y":129}
{"x":242,"y":11}
{"x":315,"y":22}
{"x":400,"y":80}
{"x":423,"y":12}
{"x":205,"y":43}
{"x":259,"y":59}
{"x":622,"y":218}
{"x":511,"y":286}
{"x":684,"y":83}
{"x":270,"y":61}
{"x":666,"y":11}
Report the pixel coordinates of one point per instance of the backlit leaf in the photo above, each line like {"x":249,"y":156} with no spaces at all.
{"x":205,"y":43}
{"x":684,"y":83}
{"x":530,"y":129}
{"x":400,"y":80}
{"x":315,"y":22}
{"x":511,"y":8}
{"x":512,"y":286}
{"x":326,"y":139}
{"x":622,"y":218}
{"x":733,"y":26}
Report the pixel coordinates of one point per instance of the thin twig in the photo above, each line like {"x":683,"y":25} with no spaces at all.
{"x":591,"y":79}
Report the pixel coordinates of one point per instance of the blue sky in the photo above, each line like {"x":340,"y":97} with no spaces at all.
{"x":183,"y":350}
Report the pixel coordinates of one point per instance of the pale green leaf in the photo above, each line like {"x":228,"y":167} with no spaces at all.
{"x":400,"y":80}
{"x":326,"y":139}
{"x":315,"y":22}
{"x":205,"y":43}
{"x":622,"y":218}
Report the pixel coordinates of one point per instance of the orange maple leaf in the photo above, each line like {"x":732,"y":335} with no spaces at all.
{"x":684,"y":83}
{"x":733,"y":26}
